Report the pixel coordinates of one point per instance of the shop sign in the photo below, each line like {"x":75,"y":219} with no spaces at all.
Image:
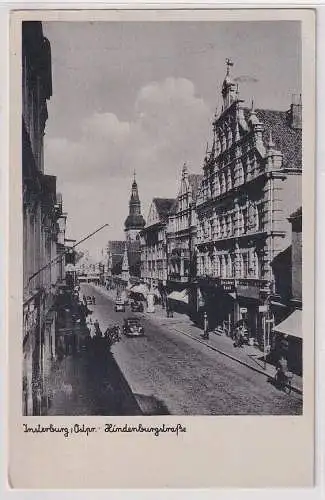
{"x":250,"y":292}
{"x":263,"y":309}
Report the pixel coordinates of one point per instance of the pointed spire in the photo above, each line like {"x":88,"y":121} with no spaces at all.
{"x":134,"y":220}
{"x":253,"y":116}
{"x":270,"y":142}
{"x":184,"y":171}
{"x":229,"y":63}
{"x":228,"y":87}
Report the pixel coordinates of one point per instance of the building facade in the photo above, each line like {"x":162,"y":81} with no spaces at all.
{"x":43,"y":224}
{"x":154,"y":256}
{"x":251,"y":183}
{"x":181,"y":241}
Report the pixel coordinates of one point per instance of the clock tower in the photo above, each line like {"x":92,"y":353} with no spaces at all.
{"x":134,"y":222}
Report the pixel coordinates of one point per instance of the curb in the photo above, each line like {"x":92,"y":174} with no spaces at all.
{"x":234,"y":358}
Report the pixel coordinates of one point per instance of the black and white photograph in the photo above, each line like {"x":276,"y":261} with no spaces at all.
{"x":162,"y":218}
{"x":161,"y":232}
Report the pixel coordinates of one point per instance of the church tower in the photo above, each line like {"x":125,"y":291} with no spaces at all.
{"x":134,"y":222}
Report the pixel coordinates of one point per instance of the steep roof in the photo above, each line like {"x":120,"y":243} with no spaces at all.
{"x":288,"y":140}
{"x":117,"y":252}
{"x":164,"y":206}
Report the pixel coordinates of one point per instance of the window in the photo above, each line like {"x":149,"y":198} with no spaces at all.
{"x":259,"y":212}
{"x":240,"y":177}
{"x":211,"y":231}
{"x":217,"y":265}
{"x":223,"y":183}
{"x":245,"y":265}
{"x":229,"y":180}
{"x":217,"y":227}
{"x":230,"y":270}
{"x":245,"y":220}
{"x":217,"y":185}
{"x":229,"y":225}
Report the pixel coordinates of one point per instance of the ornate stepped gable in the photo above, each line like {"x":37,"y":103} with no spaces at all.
{"x":160,"y":209}
{"x":248,"y":141}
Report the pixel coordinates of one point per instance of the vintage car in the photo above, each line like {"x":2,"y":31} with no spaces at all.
{"x":132,"y":327}
{"x":89,"y":300}
{"x":119,"y":305}
{"x":136,"y":306}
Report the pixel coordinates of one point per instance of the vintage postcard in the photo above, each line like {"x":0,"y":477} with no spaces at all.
{"x":161,"y":263}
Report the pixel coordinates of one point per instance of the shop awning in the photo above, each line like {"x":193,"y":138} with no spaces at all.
{"x":292,"y":325}
{"x":179,"y":296}
{"x":140,"y":289}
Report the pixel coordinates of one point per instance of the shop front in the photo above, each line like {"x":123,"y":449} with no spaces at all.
{"x":218,"y":302}
{"x":248,"y":311}
{"x":31,"y":356}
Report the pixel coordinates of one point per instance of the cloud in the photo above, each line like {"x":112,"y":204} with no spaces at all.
{"x":170,"y":125}
{"x":245,"y":79}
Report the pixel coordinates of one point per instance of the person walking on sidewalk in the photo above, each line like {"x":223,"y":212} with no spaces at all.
{"x":98,"y":332}
{"x":205,"y":326}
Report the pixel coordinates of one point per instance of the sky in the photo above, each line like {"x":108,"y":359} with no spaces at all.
{"x":136,"y":96}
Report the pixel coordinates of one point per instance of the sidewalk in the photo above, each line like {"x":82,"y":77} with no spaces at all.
{"x":249,"y":356}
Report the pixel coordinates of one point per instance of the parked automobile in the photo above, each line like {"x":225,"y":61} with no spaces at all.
{"x":119,"y":305}
{"x":136,"y":306}
{"x":132,"y":327}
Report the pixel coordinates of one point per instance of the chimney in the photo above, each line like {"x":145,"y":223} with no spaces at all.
{"x":295,"y":113}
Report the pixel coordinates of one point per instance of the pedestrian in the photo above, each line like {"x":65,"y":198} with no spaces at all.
{"x":98,"y":332}
{"x":205,"y":326}
{"x":90,"y":327}
{"x":93,"y":300}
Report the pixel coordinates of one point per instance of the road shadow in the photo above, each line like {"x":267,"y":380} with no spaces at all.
{"x":150,"y":405}
{"x":90,"y":383}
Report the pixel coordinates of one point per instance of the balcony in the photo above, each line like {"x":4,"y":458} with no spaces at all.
{"x":216,"y":239}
